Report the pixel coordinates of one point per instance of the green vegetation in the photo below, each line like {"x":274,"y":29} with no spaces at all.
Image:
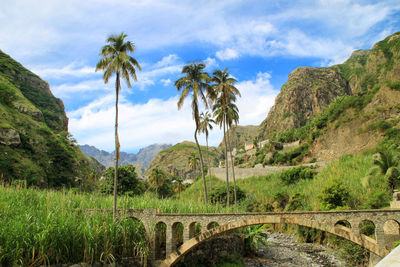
{"x":116,"y":60}
{"x":295,"y":174}
{"x":46,"y":227}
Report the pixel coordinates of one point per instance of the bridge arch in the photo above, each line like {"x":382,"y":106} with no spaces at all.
{"x":338,"y":230}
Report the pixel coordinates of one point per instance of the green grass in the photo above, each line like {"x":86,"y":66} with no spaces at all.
{"x":46,"y":226}
{"x":352,"y":170}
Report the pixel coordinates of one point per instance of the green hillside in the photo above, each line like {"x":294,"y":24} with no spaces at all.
{"x":34,"y":141}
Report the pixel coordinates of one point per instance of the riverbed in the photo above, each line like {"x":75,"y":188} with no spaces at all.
{"x":283,"y":250}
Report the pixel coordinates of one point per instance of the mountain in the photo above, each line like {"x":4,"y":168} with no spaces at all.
{"x":309,"y":91}
{"x":34,"y":141}
{"x":142,"y":158}
{"x":306,"y":93}
{"x":174,"y":160}
{"x":344,"y":109}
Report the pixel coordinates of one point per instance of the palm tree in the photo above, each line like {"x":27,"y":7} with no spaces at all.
{"x":206,"y":121}
{"x":156,"y":179}
{"x":232,"y":116}
{"x":178,"y":185}
{"x":225,"y":92}
{"x":226,"y":120}
{"x":193,"y":161}
{"x":195,"y":82}
{"x":115,"y":60}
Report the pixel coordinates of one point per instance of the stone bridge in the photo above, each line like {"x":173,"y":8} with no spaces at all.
{"x":182,"y":232}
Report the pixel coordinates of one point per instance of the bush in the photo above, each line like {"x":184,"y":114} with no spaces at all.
{"x":280,"y":200}
{"x":7,"y":94}
{"x":377,"y":200}
{"x":393,"y":85}
{"x":219,"y":195}
{"x":334,"y":195}
{"x":293,"y":175}
{"x":296,"y":202}
{"x":288,"y":157}
{"x":127,"y":182}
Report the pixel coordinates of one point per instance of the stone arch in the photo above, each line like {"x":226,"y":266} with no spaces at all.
{"x":212,"y":225}
{"x":177,"y":235}
{"x":344,"y":232}
{"x":368,"y":228}
{"x":391,"y":230}
{"x":160,"y":241}
{"x":344,"y":223}
{"x":194,"y":229}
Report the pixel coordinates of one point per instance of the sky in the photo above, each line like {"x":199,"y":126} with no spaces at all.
{"x":260,"y":42}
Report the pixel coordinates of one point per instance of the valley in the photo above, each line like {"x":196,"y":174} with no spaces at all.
{"x":329,"y":145}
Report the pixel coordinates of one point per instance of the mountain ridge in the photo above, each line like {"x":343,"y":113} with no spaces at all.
{"x":142,"y":158}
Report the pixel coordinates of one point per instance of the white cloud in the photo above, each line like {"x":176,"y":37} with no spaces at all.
{"x":73,"y":69}
{"x":210,"y":63}
{"x":86,"y":86}
{"x":166,"y":82}
{"x":258,"y":97}
{"x":156,"y":121}
{"x":227,"y":54}
{"x":168,"y":65}
{"x":159,"y":121}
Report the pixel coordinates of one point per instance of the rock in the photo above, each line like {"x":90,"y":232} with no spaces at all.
{"x":9,"y":137}
{"x":306,"y":93}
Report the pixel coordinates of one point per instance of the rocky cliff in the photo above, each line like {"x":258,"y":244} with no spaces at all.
{"x":306,"y":93}
{"x":309,"y":91}
{"x":34,"y":143}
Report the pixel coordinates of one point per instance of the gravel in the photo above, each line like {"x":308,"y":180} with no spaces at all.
{"x":283,"y":250}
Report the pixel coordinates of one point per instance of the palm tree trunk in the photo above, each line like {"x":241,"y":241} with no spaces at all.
{"x":116,"y":147}
{"x":233,"y":168}
{"x":201,"y":166}
{"x":208,"y":163}
{"x":226,"y":166}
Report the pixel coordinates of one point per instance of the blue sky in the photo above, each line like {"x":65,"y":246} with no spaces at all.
{"x":260,"y":42}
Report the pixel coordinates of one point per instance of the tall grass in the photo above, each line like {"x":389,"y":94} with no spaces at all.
{"x":47,"y":227}
{"x":351,"y":170}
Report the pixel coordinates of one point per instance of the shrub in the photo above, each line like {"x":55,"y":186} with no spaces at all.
{"x":281,"y":199}
{"x":7,"y":94}
{"x":377,"y":200}
{"x":296,"y":202}
{"x":393,"y":85}
{"x":219,"y":195}
{"x":334,"y":195}
{"x":127,"y":182}
{"x":293,"y":175}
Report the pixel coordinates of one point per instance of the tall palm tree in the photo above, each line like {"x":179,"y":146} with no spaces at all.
{"x":115,"y":60}
{"x":193,"y":161}
{"x":178,"y":185}
{"x":157,"y":179}
{"x":195,"y":82}
{"x":225,"y":93}
{"x":232,"y":116}
{"x":226,"y":120}
{"x":206,"y":121}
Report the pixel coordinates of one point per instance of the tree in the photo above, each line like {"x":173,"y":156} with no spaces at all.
{"x":193,"y":161}
{"x":232,"y":116}
{"x":117,"y":61}
{"x":195,"y":82}
{"x":128,"y":182}
{"x":385,"y":160}
{"x":157,"y":179}
{"x":206,"y":121}
{"x":178,"y":185}
{"x":225,"y":93}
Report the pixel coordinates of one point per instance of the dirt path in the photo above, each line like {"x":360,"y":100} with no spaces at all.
{"x":283,"y":250}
